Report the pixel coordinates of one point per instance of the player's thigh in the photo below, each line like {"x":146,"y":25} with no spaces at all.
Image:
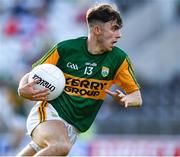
{"x":50,"y":132}
{"x":27,"y":151}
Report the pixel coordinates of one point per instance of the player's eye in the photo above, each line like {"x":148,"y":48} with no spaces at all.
{"x":115,"y":28}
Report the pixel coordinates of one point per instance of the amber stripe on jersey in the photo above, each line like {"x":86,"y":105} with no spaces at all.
{"x":131,"y":71}
{"x":50,"y":57}
{"x":125,"y":74}
{"x":42,"y":111}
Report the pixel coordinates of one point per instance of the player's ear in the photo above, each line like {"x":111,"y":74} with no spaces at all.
{"x":97,"y":29}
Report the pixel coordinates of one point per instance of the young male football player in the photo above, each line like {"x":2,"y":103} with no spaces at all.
{"x":91,"y":65}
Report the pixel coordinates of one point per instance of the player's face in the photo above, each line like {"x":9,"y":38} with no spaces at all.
{"x":110,"y":33}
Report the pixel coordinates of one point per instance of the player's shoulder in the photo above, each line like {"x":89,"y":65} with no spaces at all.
{"x":70,"y":43}
{"x":118,"y":53}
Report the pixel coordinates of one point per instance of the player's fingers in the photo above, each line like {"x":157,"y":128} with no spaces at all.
{"x":121,"y":95}
{"x":109,"y":92}
{"x":41,"y":95}
{"x":39,"y":99}
{"x":45,"y":90}
{"x":119,"y":92}
{"x":33,"y":82}
{"x":124,"y":100}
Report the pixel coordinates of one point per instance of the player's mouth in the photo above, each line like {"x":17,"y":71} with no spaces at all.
{"x":113,"y":43}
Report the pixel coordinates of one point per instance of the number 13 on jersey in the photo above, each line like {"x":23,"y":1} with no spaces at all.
{"x":88,"y":70}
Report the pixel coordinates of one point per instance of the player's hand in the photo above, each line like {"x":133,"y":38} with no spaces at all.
{"x":28,"y":92}
{"x":119,"y":96}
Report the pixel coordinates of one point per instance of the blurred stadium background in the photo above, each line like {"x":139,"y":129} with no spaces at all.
{"x":151,"y":36}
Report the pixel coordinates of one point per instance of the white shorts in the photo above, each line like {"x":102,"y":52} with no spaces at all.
{"x":44,"y":111}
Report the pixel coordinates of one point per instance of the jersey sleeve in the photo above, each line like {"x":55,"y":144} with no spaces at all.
{"x":51,"y":57}
{"x":125,"y":77}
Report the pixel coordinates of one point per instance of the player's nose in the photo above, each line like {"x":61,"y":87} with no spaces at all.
{"x":118,"y":34}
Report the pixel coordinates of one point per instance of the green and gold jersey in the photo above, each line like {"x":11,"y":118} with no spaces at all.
{"x":87,"y":76}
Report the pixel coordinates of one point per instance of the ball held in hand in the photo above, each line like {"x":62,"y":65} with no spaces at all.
{"x":48,"y":76}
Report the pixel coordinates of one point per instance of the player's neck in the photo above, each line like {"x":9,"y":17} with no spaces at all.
{"x":93,"y":46}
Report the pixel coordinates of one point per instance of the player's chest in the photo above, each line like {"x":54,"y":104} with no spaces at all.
{"x":88,"y":67}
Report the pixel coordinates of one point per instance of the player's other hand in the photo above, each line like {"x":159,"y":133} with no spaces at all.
{"x":27,"y":91}
{"x":119,"y":96}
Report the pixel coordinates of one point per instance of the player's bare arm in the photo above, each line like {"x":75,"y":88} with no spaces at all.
{"x":27,"y":91}
{"x":132,"y":99}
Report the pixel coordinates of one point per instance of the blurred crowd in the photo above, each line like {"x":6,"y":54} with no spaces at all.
{"x":29,"y":28}
{"x":23,"y":37}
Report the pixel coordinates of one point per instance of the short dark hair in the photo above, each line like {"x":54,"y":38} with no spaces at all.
{"x":103,"y":13}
